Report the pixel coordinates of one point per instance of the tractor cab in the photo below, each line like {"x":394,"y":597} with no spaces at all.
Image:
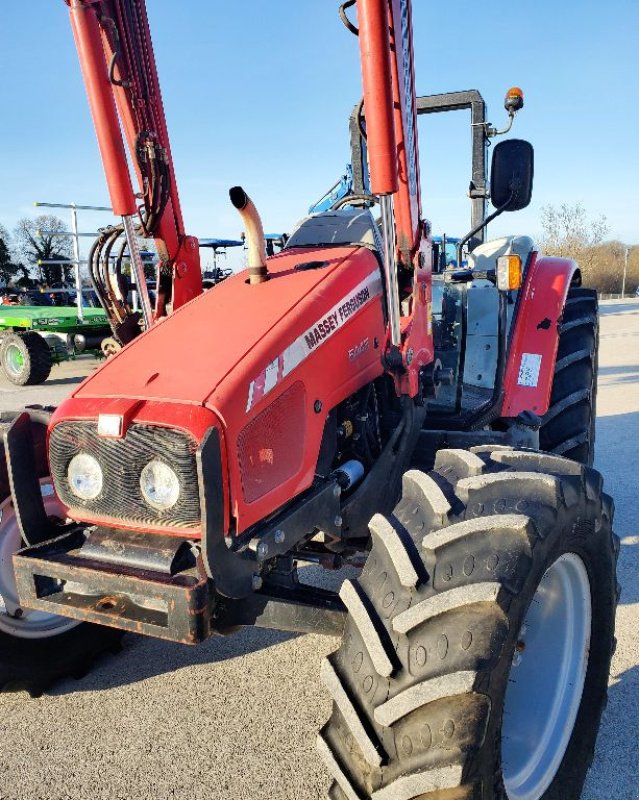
{"x":473,"y":321}
{"x":475,"y":283}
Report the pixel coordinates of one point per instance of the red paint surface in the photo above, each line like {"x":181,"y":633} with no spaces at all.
{"x":375,"y":54}
{"x":205,"y":356}
{"x":407,"y":203}
{"x":543,"y":298}
{"x":88,"y":41}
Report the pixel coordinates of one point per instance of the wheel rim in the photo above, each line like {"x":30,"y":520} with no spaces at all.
{"x":15,"y":620}
{"x":546,"y":679}
{"x":14,"y":360}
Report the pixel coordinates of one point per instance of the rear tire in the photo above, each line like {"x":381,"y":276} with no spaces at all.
{"x":26,"y":358}
{"x":435,"y":622}
{"x":568,"y":428}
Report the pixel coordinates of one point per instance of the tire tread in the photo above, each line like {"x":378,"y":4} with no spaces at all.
{"x":448,"y":632}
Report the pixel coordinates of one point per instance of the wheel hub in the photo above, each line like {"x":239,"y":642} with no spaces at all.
{"x":15,"y":620}
{"x":14,"y":360}
{"x":546,"y":679}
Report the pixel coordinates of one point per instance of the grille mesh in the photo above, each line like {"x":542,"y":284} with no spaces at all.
{"x":122,"y":461}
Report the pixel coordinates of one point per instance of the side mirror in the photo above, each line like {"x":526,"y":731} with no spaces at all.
{"x":512,"y":172}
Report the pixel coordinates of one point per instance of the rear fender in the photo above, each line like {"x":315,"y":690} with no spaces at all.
{"x":535,"y":336}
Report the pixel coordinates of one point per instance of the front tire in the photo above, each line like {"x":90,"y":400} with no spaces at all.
{"x":437,"y":620}
{"x":568,"y":427}
{"x":37,"y":649}
{"x":26,"y":358}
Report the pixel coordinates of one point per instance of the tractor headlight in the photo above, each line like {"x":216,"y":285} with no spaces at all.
{"x":160,"y":485}
{"x":85,"y":476}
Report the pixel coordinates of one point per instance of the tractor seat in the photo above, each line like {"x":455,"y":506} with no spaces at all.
{"x":484,"y":257}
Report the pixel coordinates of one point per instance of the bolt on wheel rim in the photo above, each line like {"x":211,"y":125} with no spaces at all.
{"x":15,"y":620}
{"x":14,"y":360}
{"x":546,"y":679}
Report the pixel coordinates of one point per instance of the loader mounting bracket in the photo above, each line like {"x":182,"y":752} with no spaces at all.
{"x":153,"y":585}
{"x":231,"y":571}
{"x":236,"y":571}
{"x":302,"y":609}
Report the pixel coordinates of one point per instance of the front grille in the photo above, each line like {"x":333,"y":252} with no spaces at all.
{"x":122,"y":461}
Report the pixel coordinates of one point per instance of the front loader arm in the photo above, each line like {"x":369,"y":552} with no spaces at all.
{"x":390,"y":111}
{"x":120,"y":75}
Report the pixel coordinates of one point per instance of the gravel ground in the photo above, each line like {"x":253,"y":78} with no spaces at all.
{"x":236,"y":718}
{"x":614,"y":774}
{"x":64,"y":377}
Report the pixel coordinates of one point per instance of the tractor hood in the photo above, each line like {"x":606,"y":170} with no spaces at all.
{"x":230,"y":329}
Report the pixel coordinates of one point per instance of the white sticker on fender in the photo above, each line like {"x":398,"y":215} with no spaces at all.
{"x":311,"y":339}
{"x":529,"y":369}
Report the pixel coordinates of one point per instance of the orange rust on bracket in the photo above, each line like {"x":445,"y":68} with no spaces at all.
{"x":176,"y":607}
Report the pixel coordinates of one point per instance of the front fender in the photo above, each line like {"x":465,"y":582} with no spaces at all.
{"x":535,"y":337}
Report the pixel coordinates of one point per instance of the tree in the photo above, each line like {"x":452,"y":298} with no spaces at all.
{"x":25,"y":281}
{"x":149,"y":256}
{"x":39,"y":239}
{"x":569,"y":232}
{"x":632,"y":278}
{"x":7,"y":268}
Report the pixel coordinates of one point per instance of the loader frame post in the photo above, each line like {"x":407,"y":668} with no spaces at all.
{"x":390,"y":111}
{"x":390,"y":268}
{"x":138,"y":269}
{"x":478,"y":189}
{"x":433,"y":104}
{"x":88,"y":39}
{"x":375,"y":55}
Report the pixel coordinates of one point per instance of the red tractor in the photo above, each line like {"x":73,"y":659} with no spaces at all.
{"x":342,"y":405}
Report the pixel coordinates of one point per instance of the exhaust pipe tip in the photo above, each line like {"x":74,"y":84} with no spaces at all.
{"x":239,"y":198}
{"x":254,"y":234}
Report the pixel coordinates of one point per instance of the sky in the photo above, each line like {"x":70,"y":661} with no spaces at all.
{"x":259,"y":94}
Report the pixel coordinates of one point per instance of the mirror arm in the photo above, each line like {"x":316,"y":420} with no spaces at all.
{"x":482,"y":224}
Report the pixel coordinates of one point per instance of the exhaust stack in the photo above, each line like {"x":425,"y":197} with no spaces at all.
{"x":254,"y":234}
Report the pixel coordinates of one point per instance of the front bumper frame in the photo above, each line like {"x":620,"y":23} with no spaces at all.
{"x":54,"y":576}
{"x":139,"y":582}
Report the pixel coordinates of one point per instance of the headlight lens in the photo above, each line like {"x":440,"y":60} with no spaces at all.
{"x":85,"y":476}
{"x":160,"y":485}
